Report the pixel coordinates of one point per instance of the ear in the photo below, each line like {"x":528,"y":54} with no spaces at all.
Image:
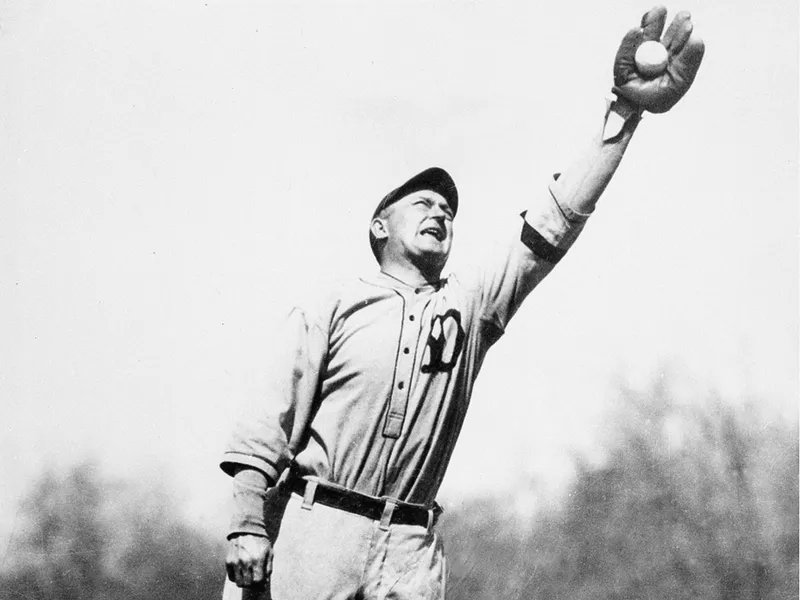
{"x":378,"y":228}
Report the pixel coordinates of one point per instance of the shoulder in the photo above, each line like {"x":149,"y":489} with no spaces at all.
{"x":319,"y":301}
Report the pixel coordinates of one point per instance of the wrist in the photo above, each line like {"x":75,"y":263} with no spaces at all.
{"x":622,"y":115}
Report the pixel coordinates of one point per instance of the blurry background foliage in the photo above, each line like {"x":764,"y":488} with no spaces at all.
{"x":691,"y":500}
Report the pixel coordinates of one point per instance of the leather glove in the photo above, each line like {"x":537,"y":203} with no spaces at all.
{"x":685,"y":51}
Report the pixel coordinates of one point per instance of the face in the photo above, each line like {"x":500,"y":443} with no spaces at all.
{"x":419,"y":228}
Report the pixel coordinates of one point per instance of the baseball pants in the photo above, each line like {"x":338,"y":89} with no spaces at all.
{"x":323,"y":553}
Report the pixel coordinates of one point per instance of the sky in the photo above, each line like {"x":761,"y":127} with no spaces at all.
{"x":173,"y":176}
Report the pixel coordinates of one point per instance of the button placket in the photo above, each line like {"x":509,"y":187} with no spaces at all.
{"x":401,"y":389}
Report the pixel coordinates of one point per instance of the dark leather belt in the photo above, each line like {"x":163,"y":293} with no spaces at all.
{"x":366,"y":506}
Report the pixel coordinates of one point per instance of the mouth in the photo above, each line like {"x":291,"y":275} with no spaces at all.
{"x":435,"y":232}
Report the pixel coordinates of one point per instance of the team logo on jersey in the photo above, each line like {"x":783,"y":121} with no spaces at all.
{"x":445,"y":342}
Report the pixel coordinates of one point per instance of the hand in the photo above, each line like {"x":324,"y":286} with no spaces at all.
{"x":249,"y":560}
{"x":685,"y":52}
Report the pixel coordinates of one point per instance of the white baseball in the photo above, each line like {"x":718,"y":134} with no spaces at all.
{"x":651,"y":59}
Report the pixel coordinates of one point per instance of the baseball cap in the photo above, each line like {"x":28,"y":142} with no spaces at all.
{"x":434,"y":179}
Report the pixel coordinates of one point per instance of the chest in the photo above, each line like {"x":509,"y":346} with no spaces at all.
{"x":395,"y":333}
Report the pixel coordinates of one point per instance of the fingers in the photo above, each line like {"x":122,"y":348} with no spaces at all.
{"x":693,"y":51}
{"x":231,"y":560}
{"x":624,"y":63}
{"x":257,"y":573}
{"x":630,"y":42}
{"x":249,"y":560}
{"x":677,"y":23}
{"x":678,"y":32}
{"x":242,"y":573}
{"x":268,"y":566}
{"x":687,"y":63}
{"x":653,"y":22}
{"x":238,"y":567}
{"x":652,"y":25}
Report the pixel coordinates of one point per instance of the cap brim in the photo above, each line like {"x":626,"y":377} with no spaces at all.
{"x":434,"y":179}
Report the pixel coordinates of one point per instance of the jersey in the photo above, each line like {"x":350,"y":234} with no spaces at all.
{"x":372,"y":381}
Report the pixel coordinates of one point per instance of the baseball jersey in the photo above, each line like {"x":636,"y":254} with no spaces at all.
{"x":373,"y":379}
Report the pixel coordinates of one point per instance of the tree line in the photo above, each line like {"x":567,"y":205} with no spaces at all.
{"x":691,"y":501}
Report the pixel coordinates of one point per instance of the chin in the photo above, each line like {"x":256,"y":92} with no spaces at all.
{"x":435,"y":260}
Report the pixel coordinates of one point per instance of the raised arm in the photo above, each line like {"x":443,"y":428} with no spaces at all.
{"x":553,"y":221}
{"x":580,"y":186}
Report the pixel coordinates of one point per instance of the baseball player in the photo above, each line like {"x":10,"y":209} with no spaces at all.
{"x":335,"y":476}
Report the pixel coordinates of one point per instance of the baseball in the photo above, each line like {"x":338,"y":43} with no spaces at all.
{"x":651,"y":59}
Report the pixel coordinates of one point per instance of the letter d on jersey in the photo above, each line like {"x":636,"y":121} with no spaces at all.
{"x":445,"y":343}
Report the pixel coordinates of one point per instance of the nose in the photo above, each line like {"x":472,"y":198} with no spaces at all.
{"x":438,"y":212}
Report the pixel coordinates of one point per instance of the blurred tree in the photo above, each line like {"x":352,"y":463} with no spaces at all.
{"x":488,"y":560}
{"x":87,"y":538}
{"x":692,"y":501}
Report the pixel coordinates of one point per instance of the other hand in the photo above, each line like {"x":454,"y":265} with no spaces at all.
{"x":249,"y":560}
{"x":685,"y":51}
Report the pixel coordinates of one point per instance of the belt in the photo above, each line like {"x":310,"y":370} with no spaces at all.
{"x":385,"y":510}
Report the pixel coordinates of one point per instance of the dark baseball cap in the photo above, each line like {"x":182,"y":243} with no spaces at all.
{"x":434,"y":179}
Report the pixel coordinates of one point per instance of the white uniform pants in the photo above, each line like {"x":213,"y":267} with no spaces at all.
{"x":326,"y":554}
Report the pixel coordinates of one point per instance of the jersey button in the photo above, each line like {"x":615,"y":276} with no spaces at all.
{"x":401,"y":385}
{"x":411,"y":318}
{"x":406,"y":350}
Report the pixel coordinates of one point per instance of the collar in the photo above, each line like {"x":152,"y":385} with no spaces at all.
{"x":385,"y":280}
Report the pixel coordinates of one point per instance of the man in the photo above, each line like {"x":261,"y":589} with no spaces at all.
{"x":335,"y":478}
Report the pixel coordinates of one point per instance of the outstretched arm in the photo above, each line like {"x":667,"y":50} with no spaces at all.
{"x":553,"y":222}
{"x":580,"y":186}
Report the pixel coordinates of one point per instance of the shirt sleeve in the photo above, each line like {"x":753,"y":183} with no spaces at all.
{"x":534,"y":246}
{"x":270,"y":433}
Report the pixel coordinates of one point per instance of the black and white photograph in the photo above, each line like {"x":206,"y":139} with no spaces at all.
{"x":403,"y":300}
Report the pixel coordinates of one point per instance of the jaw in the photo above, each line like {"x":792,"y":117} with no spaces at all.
{"x":417,"y":255}
{"x":415,"y":264}
{"x":431,"y":263}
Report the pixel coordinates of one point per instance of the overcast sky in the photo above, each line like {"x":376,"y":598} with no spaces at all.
{"x":174,"y":174}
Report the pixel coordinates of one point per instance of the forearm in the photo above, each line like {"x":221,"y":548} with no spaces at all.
{"x":579,"y":187}
{"x":249,"y":495}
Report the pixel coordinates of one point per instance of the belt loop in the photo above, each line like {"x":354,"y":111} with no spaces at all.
{"x":386,"y":517}
{"x":308,"y":497}
{"x":431,"y":519}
